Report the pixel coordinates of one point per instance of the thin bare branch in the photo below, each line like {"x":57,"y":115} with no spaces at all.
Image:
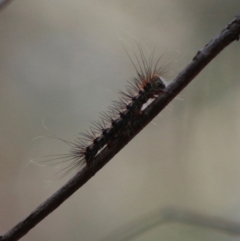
{"x":202,"y":58}
{"x":4,"y":3}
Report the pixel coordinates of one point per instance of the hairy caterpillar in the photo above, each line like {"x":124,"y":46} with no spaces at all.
{"x":147,"y":85}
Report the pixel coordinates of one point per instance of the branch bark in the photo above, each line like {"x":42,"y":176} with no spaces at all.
{"x":4,"y":3}
{"x":201,"y":59}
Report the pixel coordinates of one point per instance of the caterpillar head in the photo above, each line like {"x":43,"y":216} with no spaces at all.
{"x":157,"y":84}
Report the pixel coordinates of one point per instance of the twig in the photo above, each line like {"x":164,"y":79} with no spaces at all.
{"x":202,"y":58}
{"x":168,"y":216}
{"x":4,"y":3}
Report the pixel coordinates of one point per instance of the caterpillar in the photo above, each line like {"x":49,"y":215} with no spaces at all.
{"x":147,"y":85}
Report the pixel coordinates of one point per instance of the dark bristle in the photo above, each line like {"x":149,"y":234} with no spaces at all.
{"x":147,"y":84}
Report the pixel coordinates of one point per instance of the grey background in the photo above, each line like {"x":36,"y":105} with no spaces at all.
{"x":63,"y":61}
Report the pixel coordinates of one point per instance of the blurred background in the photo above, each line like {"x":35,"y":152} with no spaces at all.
{"x":63,"y":62}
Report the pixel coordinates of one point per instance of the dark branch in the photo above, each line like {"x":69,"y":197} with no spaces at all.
{"x":4,"y":3}
{"x":202,"y":58}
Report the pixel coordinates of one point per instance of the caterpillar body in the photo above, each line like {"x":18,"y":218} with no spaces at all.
{"x":148,"y":84}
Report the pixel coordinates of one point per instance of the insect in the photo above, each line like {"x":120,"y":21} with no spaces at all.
{"x":147,"y":85}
